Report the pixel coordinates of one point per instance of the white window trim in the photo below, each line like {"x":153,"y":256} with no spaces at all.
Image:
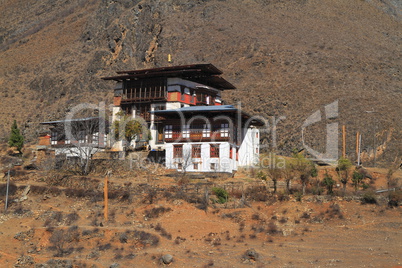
{"x":206,"y":131}
{"x":225,"y":130}
{"x":168,"y":131}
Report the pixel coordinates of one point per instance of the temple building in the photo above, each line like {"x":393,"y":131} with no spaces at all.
{"x":187,"y":119}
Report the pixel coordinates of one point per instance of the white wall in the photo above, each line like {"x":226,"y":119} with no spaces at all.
{"x":77,"y":152}
{"x":249,"y":150}
{"x":223,"y":164}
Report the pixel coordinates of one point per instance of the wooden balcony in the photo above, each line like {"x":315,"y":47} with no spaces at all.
{"x":197,"y":136}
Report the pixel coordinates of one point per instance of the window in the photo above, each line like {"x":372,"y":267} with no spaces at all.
{"x":179,"y":165}
{"x":53,"y":137}
{"x":231,"y":152}
{"x":195,"y":166}
{"x":81,"y":136}
{"x":186,"y":131}
{"x":206,"y":132}
{"x":178,"y":151}
{"x":256,"y":135}
{"x":168,"y":132}
{"x":225,"y":130}
{"x":214,"y":150}
{"x":213,"y":166}
{"x":95,"y":138}
{"x":256,"y":150}
{"x":196,"y":151}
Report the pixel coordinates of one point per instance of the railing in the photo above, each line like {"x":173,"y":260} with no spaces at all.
{"x":197,"y":136}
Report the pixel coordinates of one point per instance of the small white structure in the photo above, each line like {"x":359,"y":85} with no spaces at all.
{"x":81,"y":137}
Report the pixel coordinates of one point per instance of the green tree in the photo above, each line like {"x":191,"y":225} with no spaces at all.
{"x":304,"y":168}
{"x":342,"y":169}
{"x":127,"y":128}
{"x":16,"y":139}
{"x":275,"y":170}
{"x":357,"y":177}
{"x":328,"y":182}
{"x":288,"y":173}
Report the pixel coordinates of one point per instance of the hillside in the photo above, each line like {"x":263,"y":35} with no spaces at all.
{"x":56,"y":219}
{"x":286,"y":58}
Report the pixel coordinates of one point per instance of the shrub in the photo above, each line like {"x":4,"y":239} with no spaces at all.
{"x":328,"y":182}
{"x":282,"y":196}
{"x":151,"y":195}
{"x":255,"y":216}
{"x":369,"y":198}
{"x":12,"y":189}
{"x":272,"y":228}
{"x":163,"y":231}
{"x":298,"y":196}
{"x":72,"y":217}
{"x":123,"y":238}
{"x":261,"y":175}
{"x":283,"y":220}
{"x":305,"y":216}
{"x":333,"y":211}
{"x":221,"y":194}
{"x":156,"y":212}
{"x":60,"y":239}
{"x":258,"y":193}
{"x":395,"y":198}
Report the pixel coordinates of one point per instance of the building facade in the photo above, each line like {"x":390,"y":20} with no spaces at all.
{"x":184,"y":111}
{"x":80,"y":138}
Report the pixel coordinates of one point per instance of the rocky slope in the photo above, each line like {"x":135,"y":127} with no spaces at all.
{"x":287,"y":58}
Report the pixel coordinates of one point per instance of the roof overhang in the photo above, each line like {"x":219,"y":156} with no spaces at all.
{"x":210,"y":110}
{"x":206,"y":74}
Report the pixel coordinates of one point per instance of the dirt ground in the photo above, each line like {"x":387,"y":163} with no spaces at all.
{"x":57,"y":227}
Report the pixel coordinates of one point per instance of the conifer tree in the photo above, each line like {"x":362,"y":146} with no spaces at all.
{"x":16,"y":139}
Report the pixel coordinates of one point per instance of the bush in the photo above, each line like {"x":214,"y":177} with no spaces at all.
{"x":272,"y":228}
{"x":258,"y":193}
{"x":12,"y":189}
{"x":334,"y":211}
{"x":369,"y":198}
{"x":163,"y":231}
{"x":72,"y":217}
{"x":261,"y":175}
{"x":156,"y":212}
{"x":395,"y":198}
{"x":221,"y":194}
{"x":282,"y":196}
{"x":298,"y":196}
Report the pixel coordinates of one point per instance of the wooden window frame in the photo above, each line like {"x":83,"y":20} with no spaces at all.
{"x":214,"y":150}
{"x":212,"y":166}
{"x":196,"y":151}
{"x":178,"y":151}
{"x":195,"y":166}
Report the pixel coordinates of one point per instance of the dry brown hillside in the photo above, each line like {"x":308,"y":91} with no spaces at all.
{"x":287,"y":58}
{"x":56,"y":219}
